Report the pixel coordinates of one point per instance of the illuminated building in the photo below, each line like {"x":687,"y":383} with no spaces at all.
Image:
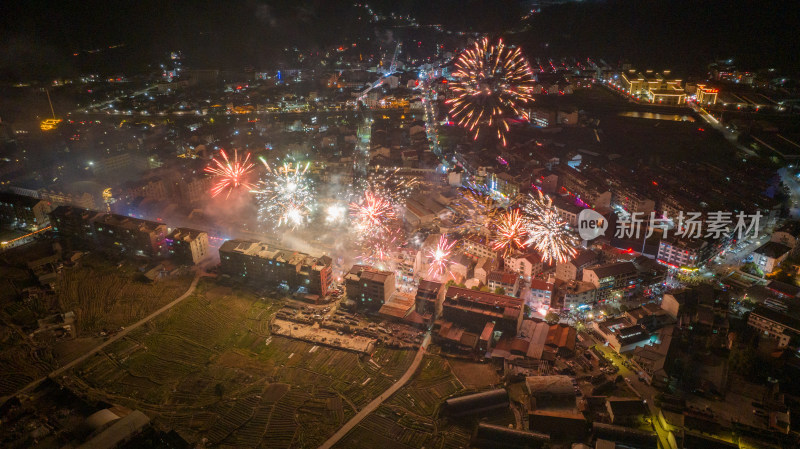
{"x":262,"y":264}
{"x":576,"y":294}
{"x":683,"y":253}
{"x":611,"y":278}
{"x":542,"y":292}
{"x":188,"y":246}
{"x":369,"y":288}
{"x":653,"y":87}
{"x":22,"y":211}
{"x":706,"y":95}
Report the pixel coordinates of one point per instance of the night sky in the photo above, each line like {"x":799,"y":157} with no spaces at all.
{"x":39,"y":38}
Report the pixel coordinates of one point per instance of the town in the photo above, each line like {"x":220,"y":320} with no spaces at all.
{"x":375,"y":243}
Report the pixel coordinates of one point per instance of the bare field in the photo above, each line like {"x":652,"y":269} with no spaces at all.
{"x":209,"y":368}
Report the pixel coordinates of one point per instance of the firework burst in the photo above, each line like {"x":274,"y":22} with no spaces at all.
{"x":492,"y":82}
{"x":547,"y":231}
{"x":510,"y":234}
{"x":230,"y":175}
{"x":377,"y":232}
{"x":285,"y":195}
{"x":439,"y":257}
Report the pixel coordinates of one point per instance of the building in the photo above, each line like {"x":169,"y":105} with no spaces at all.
{"x":477,"y":403}
{"x":621,"y":334}
{"x":428,"y":299}
{"x":626,"y":411}
{"x":473,"y":310}
{"x":188,"y":246}
{"x":262,"y":264}
{"x":559,"y":424}
{"x":611,"y":279}
{"x":73,"y":224}
{"x":573,"y":269}
{"x":131,"y":236}
{"x":683,"y":253}
{"x":551,"y":392}
{"x":483,"y":267}
{"x":653,"y":87}
{"x":477,"y":246}
{"x":787,"y":234}
{"x":774,"y":325}
{"x":576,"y":294}
{"x":770,"y":255}
{"x":561,"y":337}
{"x":20,"y":211}
{"x":706,"y":95}
{"x":368,"y":287}
{"x":525,"y":265}
{"x":509,"y":282}
{"x":542,"y":292}
{"x":490,"y":436}
{"x":653,"y":360}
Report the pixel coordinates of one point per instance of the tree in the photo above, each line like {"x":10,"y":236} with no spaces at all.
{"x":219,"y":390}
{"x":752,"y":268}
{"x":500,"y":291}
{"x":551,"y":318}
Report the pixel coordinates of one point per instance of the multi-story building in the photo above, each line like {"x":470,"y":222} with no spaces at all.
{"x":525,"y":265}
{"x":577,"y":294}
{"x":188,"y":246}
{"x":131,"y":236}
{"x":193,"y":189}
{"x":483,"y":267}
{"x":769,"y":255}
{"x":262,"y":264}
{"x":368,"y":287}
{"x":474,"y":310}
{"x":653,"y":87}
{"x":611,"y":279}
{"x":706,"y":95}
{"x":542,"y":292}
{"x":428,"y":299}
{"x":22,"y":211}
{"x":509,"y":282}
{"x":73,"y":224}
{"x":567,"y":210}
{"x":573,"y":269}
{"x":774,"y":325}
{"x":683,"y":253}
{"x":476,"y":246}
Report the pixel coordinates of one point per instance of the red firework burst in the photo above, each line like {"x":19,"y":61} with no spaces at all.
{"x":230,"y":175}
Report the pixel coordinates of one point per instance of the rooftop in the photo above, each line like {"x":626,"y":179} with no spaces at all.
{"x":773,"y":250}
{"x":613,"y":269}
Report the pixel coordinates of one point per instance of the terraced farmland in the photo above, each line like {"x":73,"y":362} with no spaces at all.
{"x":209,"y":368}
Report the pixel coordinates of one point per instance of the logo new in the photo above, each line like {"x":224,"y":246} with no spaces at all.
{"x":591,"y":224}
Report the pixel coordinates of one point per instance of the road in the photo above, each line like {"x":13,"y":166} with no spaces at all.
{"x":372,"y":406}
{"x":112,"y":339}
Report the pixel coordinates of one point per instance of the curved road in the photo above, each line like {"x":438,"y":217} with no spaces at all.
{"x":116,"y":337}
{"x":372,"y":406}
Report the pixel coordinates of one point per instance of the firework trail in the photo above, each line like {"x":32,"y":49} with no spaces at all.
{"x":230,"y":175}
{"x":491,"y":84}
{"x":547,"y":232}
{"x":377,"y":231}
